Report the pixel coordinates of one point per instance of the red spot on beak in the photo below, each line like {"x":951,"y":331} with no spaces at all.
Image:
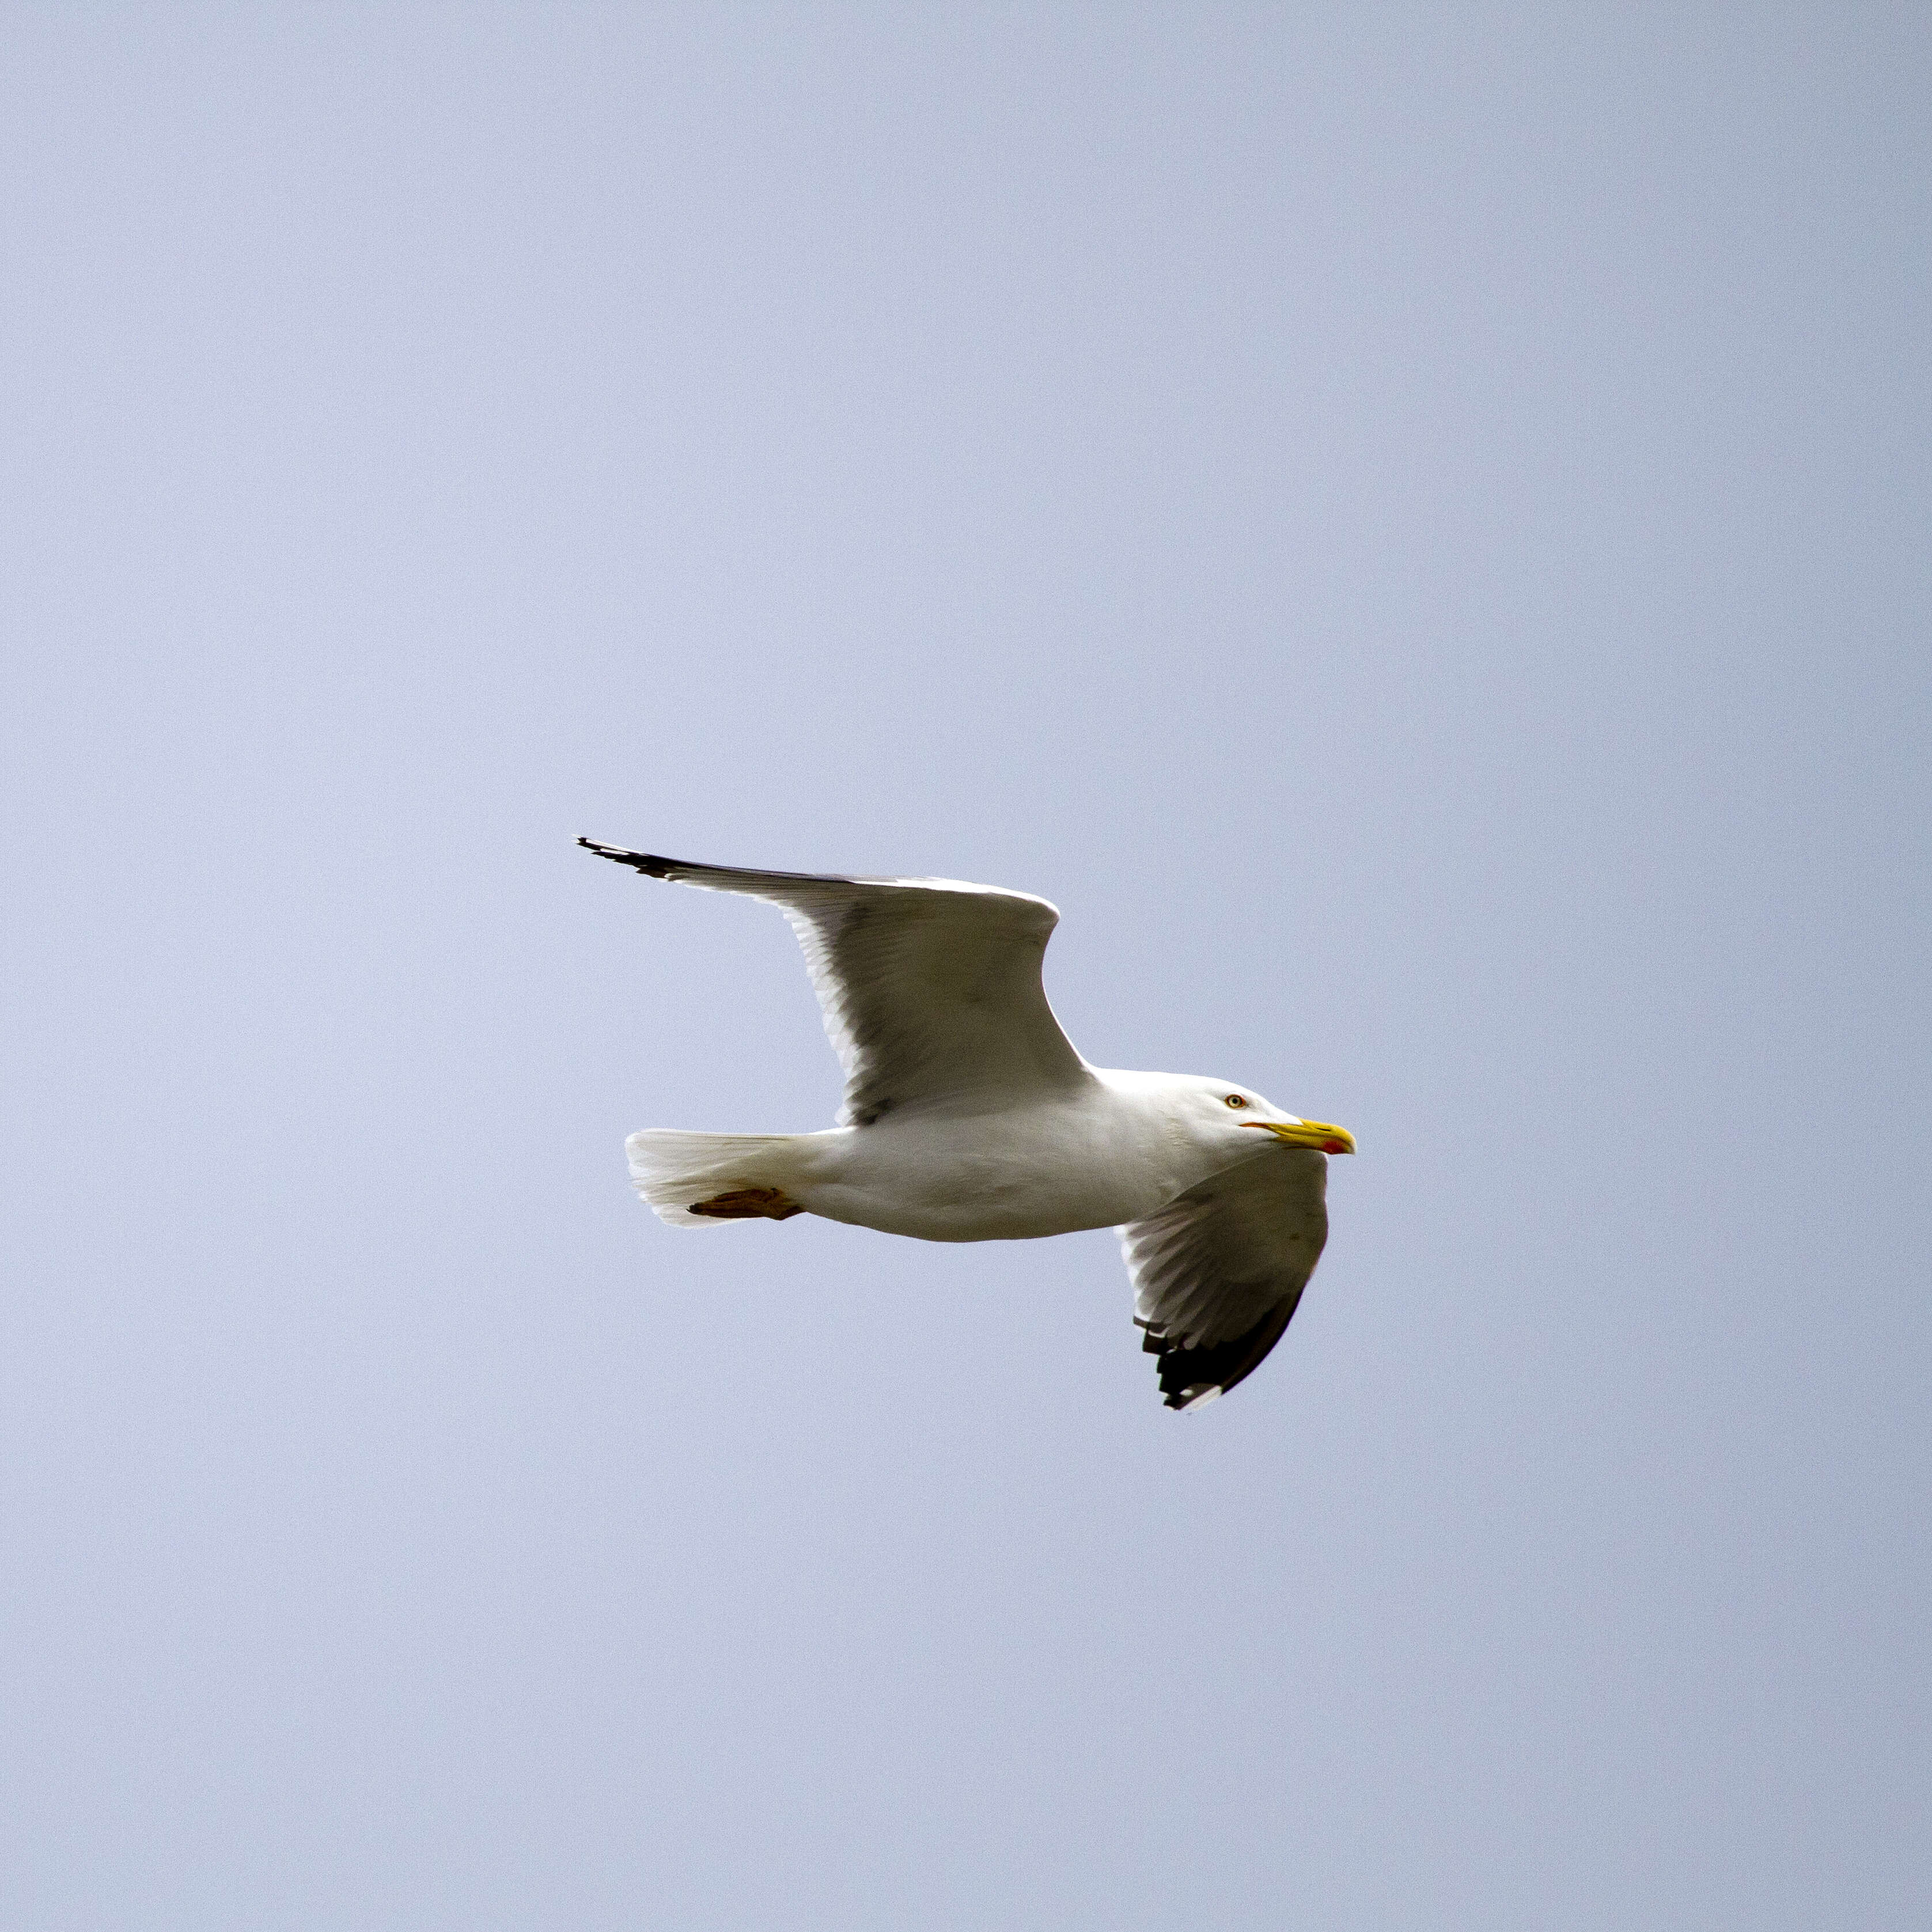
{"x":1334,"y":1146}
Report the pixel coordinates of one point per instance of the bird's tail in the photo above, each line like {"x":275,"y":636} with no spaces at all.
{"x":703,"y":1180}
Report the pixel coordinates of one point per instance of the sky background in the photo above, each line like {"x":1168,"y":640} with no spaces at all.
{"x":1411,"y":525}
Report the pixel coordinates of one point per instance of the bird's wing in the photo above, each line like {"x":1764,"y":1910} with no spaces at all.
{"x":931,"y":988}
{"x":1218,"y":1271}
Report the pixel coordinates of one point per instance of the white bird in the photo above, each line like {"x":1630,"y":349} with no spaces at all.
{"x":969,"y":1117}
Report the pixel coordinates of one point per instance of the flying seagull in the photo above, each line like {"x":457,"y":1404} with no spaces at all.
{"x":969,"y":1117}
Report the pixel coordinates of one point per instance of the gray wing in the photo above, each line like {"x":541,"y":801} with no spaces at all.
{"x":1218,"y":1271}
{"x":930,"y":988}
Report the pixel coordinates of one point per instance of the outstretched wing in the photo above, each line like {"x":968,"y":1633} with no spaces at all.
{"x":1218,"y":1271}
{"x":931,"y":988}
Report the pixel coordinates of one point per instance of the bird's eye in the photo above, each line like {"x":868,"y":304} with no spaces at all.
{"x":1235,"y":1100}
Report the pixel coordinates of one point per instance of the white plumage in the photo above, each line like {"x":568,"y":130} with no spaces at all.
{"x":969,"y":1117}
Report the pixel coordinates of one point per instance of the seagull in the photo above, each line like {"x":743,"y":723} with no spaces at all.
{"x":969,"y":1117}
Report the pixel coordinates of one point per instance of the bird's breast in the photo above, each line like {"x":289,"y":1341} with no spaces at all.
{"x":1012,"y":1176}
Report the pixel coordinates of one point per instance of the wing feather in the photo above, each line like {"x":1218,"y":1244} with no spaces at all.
{"x":930,"y":988}
{"x":1218,"y":1273}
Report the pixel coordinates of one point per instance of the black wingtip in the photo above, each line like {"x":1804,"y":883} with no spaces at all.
{"x":645,"y":862}
{"x":1187,"y":1375}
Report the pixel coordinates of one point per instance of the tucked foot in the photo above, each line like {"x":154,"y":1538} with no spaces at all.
{"x":749,"y":1204}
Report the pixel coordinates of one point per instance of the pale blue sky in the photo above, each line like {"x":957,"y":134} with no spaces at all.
{"x":1411,"y":525}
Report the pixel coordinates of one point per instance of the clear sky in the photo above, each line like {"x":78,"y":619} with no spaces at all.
{"x":1410,"y":525}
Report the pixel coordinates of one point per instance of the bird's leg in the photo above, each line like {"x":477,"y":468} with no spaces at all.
{"x":749,"y":1204}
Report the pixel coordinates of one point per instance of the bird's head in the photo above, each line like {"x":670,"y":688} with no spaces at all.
{"x":1240,"y":1110}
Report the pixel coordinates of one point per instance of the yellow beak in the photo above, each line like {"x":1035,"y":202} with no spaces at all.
{"x":1316,"y":1134}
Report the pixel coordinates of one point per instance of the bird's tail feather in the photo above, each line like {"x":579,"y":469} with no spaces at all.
{"x":705,"y":1181}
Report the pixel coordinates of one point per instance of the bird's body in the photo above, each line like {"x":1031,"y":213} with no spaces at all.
{"x":969,"y":1117}
{"x":1107,"y":1154}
